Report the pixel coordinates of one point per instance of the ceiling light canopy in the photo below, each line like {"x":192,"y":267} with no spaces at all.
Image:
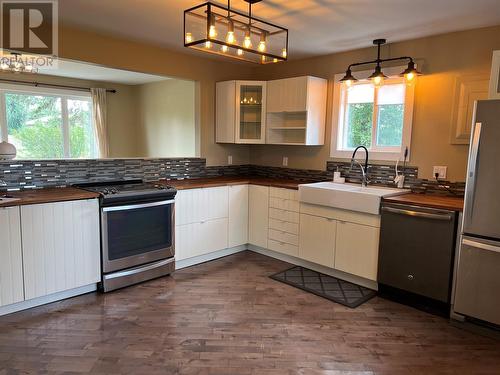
{"x":410,"y":73}
{"x":216,"y":29}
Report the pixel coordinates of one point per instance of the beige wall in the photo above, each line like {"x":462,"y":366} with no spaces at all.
{"x":125,"y":54}
{"x":166,"y":119}
{"x":442,"y":58}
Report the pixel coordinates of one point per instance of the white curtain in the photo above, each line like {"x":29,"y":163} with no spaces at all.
{"x":100,"y":126}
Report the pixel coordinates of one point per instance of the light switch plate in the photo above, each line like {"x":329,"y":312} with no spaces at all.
{"x":230,"y":160}
{"x":285,"y":161}
{"x":440,"y":170}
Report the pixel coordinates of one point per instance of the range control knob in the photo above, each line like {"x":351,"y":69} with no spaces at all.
{"x":105,"y":191}
{"x":114,"y":191}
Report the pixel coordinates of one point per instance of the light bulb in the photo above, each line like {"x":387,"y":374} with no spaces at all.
{"x":247,"y":43}
{"x":212,"y":32}
{"x":410,"y":78}
{"x":348,"y":82}
{"x":262,"y":43}
{"x":284,"y":53}
{"x":224,"y":48}
{"x":378,"y":81}
{"x":263,"y":59}
{"x":208,"y":44}
{"x":275,"y":60}
{"x":230,"y":37}
{"x":189,"y":37}
{"x":240,"y":52}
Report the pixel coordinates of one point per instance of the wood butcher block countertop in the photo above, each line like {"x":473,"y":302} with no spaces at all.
{"x":428,"y":200}
{"x":197,"y":183}
{"x":47,"y":195}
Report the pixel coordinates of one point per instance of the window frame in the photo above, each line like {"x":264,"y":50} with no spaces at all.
{"x":64,"y":94}
{"x":338,"y":115}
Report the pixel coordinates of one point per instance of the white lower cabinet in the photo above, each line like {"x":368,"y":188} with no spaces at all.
{"x":61,"y":246}
{"x":201,"y":218}
{"x":258,"y":215}
{"x":11,"y":260}
{"x":238,"y":215}
{"x":357,"y":249}
{"x":197,"y":239}
{"x":317,"y":240}
{"x":344,"y":240}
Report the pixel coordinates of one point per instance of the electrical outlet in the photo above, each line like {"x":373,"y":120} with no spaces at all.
{"x":285,"y":161}
{"x":440,"y":171}
{"x":230,"y":160}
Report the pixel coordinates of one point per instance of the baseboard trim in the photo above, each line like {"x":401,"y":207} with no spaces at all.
{"x":24,"y":305}
{"x":316,"y":267}
{"x":180,"y":264}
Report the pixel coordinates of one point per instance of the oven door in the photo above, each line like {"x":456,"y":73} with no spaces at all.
{"x":137,"y":234}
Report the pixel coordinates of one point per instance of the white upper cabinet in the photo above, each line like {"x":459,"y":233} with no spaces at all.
{"x":11,"y":261}
{"x":61,"y":246}
{"x":288,"y":111}
{"x":241,"y":112}
{"x":296,"y":111}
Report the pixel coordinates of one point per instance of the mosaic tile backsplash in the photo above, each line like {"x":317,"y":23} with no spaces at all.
{"x":32,"y":174}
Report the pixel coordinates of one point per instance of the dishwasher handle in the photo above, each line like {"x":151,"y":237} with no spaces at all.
{"x":419,"y":214}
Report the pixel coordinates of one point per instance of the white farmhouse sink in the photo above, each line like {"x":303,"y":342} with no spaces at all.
{"x":351,"y":197}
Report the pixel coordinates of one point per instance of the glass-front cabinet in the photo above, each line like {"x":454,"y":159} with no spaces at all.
{"x":250,"y":112}
{"x":241,"y":112}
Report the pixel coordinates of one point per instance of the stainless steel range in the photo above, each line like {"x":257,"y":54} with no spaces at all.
{"x":137,"y":231}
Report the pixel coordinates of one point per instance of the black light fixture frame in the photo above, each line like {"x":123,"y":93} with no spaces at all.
{"x":378,"y":61}
{"x":250,"y":17}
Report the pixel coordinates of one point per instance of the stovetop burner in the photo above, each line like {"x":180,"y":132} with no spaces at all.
{"x":127,"y":191}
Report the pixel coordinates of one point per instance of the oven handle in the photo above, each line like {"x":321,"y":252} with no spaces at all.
{"x":138,"y":206}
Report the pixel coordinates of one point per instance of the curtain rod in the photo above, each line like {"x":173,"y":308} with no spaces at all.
{"x":39,"y":84}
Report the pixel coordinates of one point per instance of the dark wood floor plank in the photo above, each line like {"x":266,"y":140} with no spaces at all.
{"x":227,"y":317}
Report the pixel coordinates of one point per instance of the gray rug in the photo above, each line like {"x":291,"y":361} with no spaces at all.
{"x":329,"y":287}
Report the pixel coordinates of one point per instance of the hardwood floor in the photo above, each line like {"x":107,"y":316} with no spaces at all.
{"x":228,"y":317}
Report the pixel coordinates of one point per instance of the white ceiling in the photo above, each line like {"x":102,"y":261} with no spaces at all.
{"x":91,"y":72}
{"x":316,"y":26}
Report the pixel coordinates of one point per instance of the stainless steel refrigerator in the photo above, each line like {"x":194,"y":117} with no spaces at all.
{"x":477,"y":289}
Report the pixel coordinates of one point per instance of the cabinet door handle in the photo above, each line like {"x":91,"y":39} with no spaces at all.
{"x":410,"y":277}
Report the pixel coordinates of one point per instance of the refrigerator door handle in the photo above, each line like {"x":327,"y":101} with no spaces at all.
{"x":480,"y":245}
{"x":472,"y":170}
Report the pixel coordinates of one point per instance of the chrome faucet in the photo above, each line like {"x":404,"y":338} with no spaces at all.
{"x":364,"y":170}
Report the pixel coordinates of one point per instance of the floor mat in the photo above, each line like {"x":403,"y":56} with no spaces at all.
{"x":332,"y":288}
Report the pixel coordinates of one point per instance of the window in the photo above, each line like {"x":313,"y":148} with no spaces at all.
{"x":47,"y":123}
{"x":377,"y":118}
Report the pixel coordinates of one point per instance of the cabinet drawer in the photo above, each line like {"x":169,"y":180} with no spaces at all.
{"x":284,"y":226}
{"x":280,"y":236}
{"x":196,"y":205}
{"x":283,"y":215}
{"x":284,"y":204}
{"x":290,"y":194}
{"x":282,"y":247}
{"x":200,"y":238}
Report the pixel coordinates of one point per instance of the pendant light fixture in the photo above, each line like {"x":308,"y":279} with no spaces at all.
{"x":377,"y":77}
{"x":238,"y":35}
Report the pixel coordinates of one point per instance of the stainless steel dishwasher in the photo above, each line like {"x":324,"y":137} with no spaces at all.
{"x":416,"y":255}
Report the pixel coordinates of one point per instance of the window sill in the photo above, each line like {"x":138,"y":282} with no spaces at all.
{"x":373,"y":155}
